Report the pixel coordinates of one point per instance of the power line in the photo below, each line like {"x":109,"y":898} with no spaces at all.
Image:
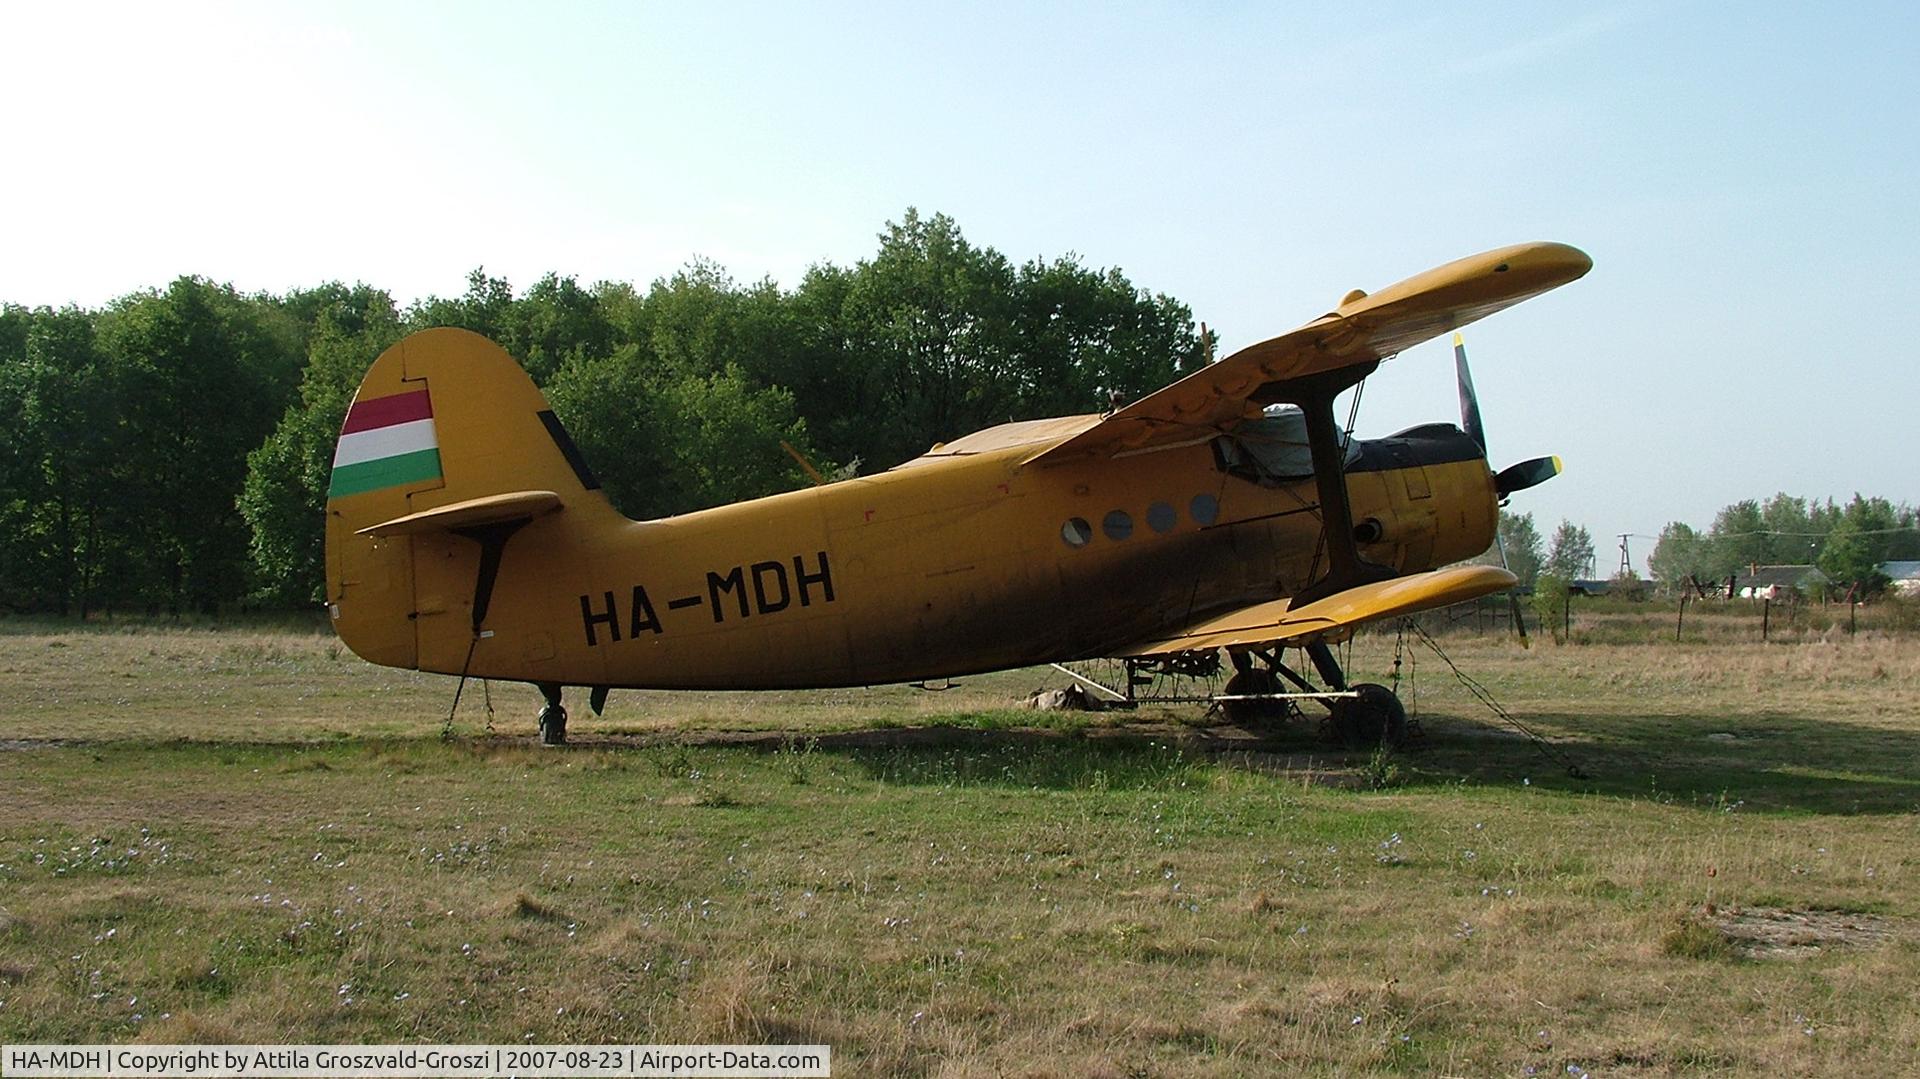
{"x":1815,"y":535}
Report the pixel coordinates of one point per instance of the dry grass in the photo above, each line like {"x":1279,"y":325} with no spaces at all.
{"x":128,"y":682}
{"x":1150,"y":899}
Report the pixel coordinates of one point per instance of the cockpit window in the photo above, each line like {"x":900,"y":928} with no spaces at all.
{"x":1271,"y":449}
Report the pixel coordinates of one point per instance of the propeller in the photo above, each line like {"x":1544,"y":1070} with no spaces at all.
{"x":1530,"y":473}
{"x":1525,"y":474}
{"x":1513,"y":478}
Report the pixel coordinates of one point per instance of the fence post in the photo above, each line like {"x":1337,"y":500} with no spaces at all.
{"x":1766,"y":615}
{"x":1682,"y":620}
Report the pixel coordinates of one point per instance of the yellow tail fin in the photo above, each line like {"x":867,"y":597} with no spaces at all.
{"x":444,"y":421}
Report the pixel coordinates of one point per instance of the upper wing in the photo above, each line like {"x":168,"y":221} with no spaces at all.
{"x":1363,"y":328}
{"x":1333,"y":617}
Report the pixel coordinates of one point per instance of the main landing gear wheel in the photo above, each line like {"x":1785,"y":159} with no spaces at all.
{"x":1248,"y":713}
{"x":553,"y":718}
{"x":1374,"y":718}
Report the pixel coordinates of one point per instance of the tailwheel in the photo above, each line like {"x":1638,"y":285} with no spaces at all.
{"x":553,"y":717}
{"x":1374,"y":718}
{"x":553,"y":725}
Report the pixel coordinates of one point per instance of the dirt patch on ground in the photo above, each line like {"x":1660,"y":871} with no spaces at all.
{"x":1773,"y":933}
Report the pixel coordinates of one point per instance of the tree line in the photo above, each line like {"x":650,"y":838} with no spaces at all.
{"x":171,"y":451}
{"x":1847,"y":542}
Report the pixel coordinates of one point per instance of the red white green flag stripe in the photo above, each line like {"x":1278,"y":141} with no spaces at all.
{"x":386,"y":442}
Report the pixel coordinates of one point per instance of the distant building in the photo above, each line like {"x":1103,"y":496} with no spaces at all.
{"x":1636,"y":588}
{"x":1905,"y":577}
{"x":1779,"y":582}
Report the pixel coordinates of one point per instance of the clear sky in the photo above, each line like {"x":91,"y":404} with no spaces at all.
{"x":1744,"y":175}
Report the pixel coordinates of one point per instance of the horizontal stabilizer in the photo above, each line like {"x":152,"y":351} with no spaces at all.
{"x":1335,"y":616}
{"x":472,"y":513}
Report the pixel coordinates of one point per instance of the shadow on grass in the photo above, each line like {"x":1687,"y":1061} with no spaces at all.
{"x":1767,"y":761}
{"x":1108,"y":758}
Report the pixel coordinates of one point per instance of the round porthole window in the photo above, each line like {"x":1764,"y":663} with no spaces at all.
{"x":1161,"y":517}
{"x":1077,"y":532}
{"x":1205,"y":509}
{"x":1117,"y":525}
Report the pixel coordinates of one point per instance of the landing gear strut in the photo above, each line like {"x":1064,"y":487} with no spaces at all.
{"x":553,"y":718}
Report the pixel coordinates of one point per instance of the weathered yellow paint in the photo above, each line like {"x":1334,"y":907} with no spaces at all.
{"x":951,"y":564}
{"x":1364,"y":327}
{"x":1333,"y":618}
{"x":473,"y":513}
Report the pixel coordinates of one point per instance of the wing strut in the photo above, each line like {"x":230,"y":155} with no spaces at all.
{"x":1314,"y":394}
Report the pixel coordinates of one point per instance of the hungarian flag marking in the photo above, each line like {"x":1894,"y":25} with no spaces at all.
{"x":386,"y":442}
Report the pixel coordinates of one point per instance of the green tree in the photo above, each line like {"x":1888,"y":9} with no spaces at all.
{"x":1904,"y":543}
{"x":21,"y":485}
{"x":934,"y":337}
{"x":701,"y":322}
{"x":551,"y":322}
{"x":1520,"y":541}
{"x":664,"y":442}
{"x":348,"y":309}
{"x":70,"y":461}
{"x":1859,"y":543}
{"x":201,"y":373}
{"x":1678,"y":554}
{"x":1738,"y":539}
{"x":1570,"y":553}
{"x":484,"y":308}
{"x":934,"y":315}
{"x":1791,"y":540}
{"x":1550,"y":600}
{"x":1084,"y":338}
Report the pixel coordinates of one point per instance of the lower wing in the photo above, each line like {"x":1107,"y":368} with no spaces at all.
{"x":1332,"y":618}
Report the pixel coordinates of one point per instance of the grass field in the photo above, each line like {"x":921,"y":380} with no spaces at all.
{"x":246,"y":834}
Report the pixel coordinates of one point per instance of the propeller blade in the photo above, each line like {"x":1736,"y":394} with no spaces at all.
{"x":1469,"y":401}
{"x":1526,"y":474}
{"x":1513,"y":479}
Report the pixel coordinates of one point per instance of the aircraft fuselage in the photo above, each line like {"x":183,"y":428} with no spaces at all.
{"x":945,"y":566}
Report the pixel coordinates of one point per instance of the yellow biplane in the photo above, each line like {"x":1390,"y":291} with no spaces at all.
{"x":1228,"y":511}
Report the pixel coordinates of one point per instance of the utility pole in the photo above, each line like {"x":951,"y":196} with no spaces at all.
{"x":1626,"y":560}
